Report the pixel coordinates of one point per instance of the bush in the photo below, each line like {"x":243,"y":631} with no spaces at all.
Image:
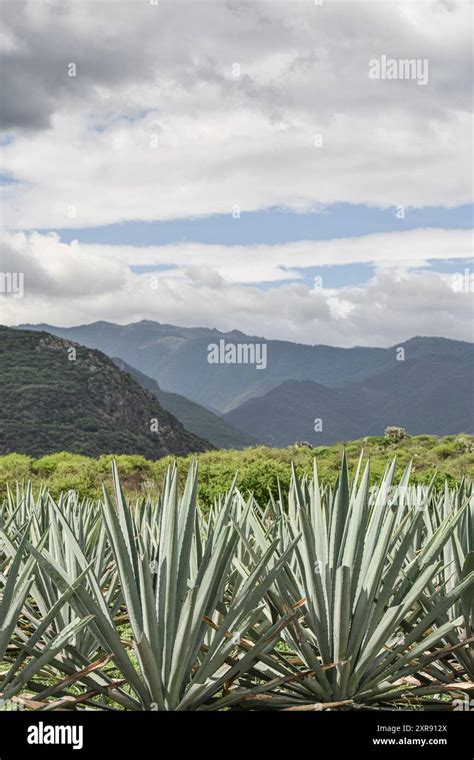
{"x":259,"y":468}
{"x":395,"y":433}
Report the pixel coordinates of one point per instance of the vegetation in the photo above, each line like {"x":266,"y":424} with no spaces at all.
{"x":343,"y":596}
{"x":57,"y":396}
{"x":259,"y":469}
{"x":195,"y":418}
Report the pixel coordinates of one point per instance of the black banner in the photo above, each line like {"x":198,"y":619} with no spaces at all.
{"x":373,"y":733}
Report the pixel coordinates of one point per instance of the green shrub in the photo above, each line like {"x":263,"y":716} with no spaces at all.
{"x":259,"y":468}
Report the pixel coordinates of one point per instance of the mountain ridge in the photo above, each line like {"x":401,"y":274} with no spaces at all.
{"x":416,"y":395}
{"x":176,"y":357}
{"x":57,"y":395}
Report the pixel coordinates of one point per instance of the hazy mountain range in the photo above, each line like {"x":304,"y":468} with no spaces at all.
{"x":423,"y":384}
{"x":426,"y":395}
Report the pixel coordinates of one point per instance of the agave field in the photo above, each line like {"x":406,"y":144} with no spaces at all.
{"x":344,"y":597}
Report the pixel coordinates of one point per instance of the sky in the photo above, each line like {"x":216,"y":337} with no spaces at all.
{"x":234,"y":164}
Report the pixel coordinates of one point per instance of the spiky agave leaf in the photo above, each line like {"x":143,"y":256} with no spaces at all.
{"x":367,"y":622}
{"x":168,"y":617}
{"x":14,"y":589}
{"x":368,"y":584}
{"x":187,"y":607}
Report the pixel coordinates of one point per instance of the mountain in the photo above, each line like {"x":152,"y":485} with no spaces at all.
{"x":287,"y":414}
{"x":177,"y":358}
{"x":431,"y":394}
{"x":195,"y":418}
{"x":58,"y":396}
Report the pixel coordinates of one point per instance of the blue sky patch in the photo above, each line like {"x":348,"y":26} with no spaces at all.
{"x":273,"y":226}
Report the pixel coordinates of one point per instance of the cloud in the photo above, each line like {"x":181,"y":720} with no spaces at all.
{"x":42,"y":37}
{"x":204,"y":275}
{"x":73,"y":284}
{"x":254,"y":264}
{"x":54,"y":270}
{"x":156,"y":125}
{"x":189,"y":109}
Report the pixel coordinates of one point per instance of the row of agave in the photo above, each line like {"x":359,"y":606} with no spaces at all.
{"x":346,"y":596}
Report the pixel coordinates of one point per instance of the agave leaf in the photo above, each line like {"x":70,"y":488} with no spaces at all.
{"x":467,"y":596}
{"x":47,"y":654}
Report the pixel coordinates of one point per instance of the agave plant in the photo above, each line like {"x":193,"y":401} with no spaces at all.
{"x":55,"y":521}
{"x":50,"y":618}
{"x":356,"y":594}
{"x":14,"y":589}
{"x":458,"y":563}
{"x":371,"y":615}
{"x":189,"y":608}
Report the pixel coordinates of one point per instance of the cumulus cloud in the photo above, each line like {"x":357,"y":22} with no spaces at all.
{"x":55,"y":270}
{"x":159,"y":123}
{"x":192,"y":108}
{"x":73,"y":284}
